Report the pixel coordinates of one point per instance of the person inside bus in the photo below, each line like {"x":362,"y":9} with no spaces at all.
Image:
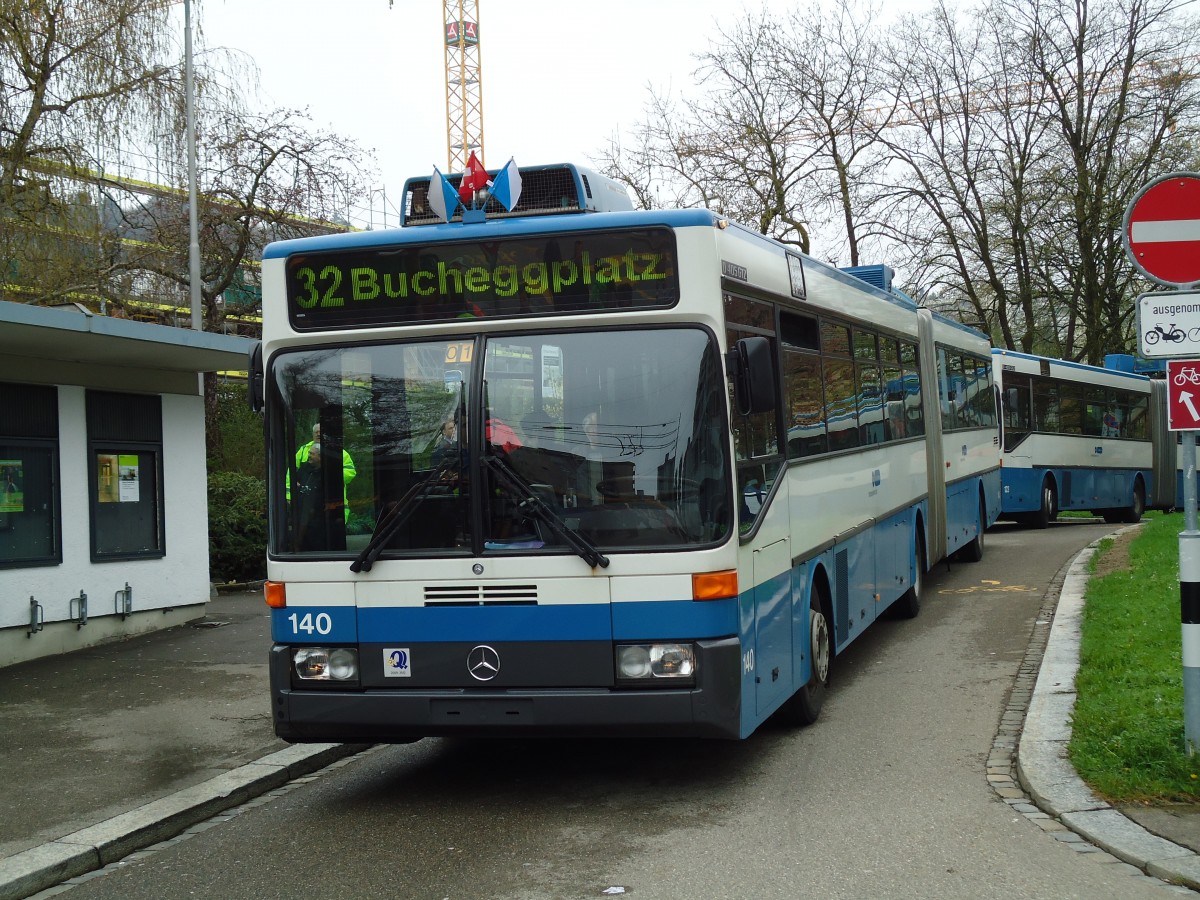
{"x":308,"y":468}
{"x":447,"y":439}
{"x":447,"y":449}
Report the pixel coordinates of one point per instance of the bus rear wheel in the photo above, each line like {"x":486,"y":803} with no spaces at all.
{"x":804,"y":706}
{"x":1048,"y":511}
{"x":1133,"y":512}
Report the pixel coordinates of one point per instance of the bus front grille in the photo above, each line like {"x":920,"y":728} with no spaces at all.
{"x":481,"y":595}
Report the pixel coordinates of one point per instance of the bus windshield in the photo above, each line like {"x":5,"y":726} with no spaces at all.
{"x":391,"y":449}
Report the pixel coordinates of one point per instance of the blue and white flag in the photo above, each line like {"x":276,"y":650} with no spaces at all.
{"x":506,"y":186}
{"x":443,"y":198}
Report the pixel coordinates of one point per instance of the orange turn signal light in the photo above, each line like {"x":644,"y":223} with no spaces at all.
{"x":714,"y":585}
{"x":275,"y":593}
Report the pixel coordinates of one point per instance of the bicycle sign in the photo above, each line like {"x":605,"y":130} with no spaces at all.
{"x":1186,"y":374}
{"x":1168,"y":324}
{"x":1183,"y":394}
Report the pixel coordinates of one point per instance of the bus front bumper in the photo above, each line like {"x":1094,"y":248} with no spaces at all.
{"x":710,"y":709}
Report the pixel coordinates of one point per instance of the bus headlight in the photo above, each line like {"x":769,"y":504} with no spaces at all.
{"x":650,"y":663}
{"x":325,"y":663}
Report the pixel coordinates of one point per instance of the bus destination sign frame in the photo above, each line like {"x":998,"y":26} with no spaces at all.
{"x":531,"y":275}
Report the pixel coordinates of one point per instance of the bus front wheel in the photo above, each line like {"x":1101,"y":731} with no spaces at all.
{"x":804,"y":706}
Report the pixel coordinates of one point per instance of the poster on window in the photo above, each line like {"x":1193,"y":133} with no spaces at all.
{"x":117,"y":478}
{"x":12,"y":495}
{"x":129,"y":481}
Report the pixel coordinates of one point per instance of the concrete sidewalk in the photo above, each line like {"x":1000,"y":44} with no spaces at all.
{"x":114,"y":748}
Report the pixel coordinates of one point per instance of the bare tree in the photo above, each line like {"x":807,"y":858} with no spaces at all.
{"x":263,"y":178}
{"x":963,"y":166}
{"x":785,"y":136}
{"x":1120,"y":78}
{"x":739,"y":149}
{"x":1027,"y":127}
{"x":991,"y":148}
{"x":70,"y":70}
{"x":830,"y":62}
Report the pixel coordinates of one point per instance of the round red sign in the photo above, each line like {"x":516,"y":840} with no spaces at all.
{"x":1162,"y":230}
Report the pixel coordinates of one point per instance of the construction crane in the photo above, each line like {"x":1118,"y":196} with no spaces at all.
{"x":464,"y":83}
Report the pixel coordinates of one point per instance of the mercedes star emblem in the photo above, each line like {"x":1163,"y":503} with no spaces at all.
{"x":483,"y":662}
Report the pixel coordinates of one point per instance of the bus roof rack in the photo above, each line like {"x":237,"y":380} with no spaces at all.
{"x":545,"y":190}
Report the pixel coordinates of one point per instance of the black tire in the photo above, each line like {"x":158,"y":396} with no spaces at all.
{"x":804,"y":706}
{"x":1048,"y":511}
{"x":909,"y":603}
{"x":1133,"y":513}
{"x":973,"y":551}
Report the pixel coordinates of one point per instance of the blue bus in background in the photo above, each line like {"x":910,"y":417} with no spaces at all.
{"x":1081,"y":437}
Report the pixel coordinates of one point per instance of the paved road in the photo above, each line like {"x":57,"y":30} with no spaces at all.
{"x":885,"y":796}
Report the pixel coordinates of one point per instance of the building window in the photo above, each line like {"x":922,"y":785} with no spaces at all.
{"x":29,"y":491}
{"x":125,"y":473}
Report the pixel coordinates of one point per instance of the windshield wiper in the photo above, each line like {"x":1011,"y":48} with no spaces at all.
{"x":535,"y":506}
{"x":395,"y":515}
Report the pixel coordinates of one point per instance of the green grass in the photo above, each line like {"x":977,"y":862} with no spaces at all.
{"x":1127,"y":738}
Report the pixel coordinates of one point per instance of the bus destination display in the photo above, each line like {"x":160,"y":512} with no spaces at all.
{"x":538,"y":275}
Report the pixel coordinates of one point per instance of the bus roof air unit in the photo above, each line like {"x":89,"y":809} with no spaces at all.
{"x":878,"y":275}
{"x":546,"y":190}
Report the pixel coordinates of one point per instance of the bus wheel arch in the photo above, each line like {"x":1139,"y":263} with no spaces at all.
{"x":972,"y":551}
{"x":804,"y":706}
{"x":909,"y":603}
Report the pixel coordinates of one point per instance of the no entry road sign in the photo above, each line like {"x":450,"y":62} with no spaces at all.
{"x":1162,"y":230}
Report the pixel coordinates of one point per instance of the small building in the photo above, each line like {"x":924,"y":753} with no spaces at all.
{"x":103,"y":476}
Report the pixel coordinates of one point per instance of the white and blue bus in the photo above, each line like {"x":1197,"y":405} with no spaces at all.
{"x":1080,"y":437}
{"x":576,"y":469}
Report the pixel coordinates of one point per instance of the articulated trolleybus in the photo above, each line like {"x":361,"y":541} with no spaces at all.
{"x":1080,"y":437}
{"x":575,"y":469}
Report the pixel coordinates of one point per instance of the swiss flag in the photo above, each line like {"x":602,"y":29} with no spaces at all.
{"x":475,"y":178}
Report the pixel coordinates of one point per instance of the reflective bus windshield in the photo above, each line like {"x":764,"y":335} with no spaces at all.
{"x":516,"y":442}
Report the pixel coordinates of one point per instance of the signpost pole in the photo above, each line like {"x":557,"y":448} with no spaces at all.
{"x":1162,"y":237}
{"x":1189,"y":598}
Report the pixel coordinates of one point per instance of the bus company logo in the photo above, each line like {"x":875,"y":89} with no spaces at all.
{"x":397,"y":662}
{"x":483,"y":662}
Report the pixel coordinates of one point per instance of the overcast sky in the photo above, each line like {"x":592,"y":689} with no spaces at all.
{"x":560,"y":78}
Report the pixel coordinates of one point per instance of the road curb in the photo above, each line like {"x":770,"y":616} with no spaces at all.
{"x":1045,"y":771}
{"x":105,"y":842}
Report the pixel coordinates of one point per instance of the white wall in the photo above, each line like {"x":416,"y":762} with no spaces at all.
{"x":166,"y":591}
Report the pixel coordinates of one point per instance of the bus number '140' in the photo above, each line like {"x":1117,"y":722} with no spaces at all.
{"x":321,"y":623}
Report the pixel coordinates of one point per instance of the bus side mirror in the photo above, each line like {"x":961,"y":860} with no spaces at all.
{"x":255,"y":380}
{"x":753,"y":374}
